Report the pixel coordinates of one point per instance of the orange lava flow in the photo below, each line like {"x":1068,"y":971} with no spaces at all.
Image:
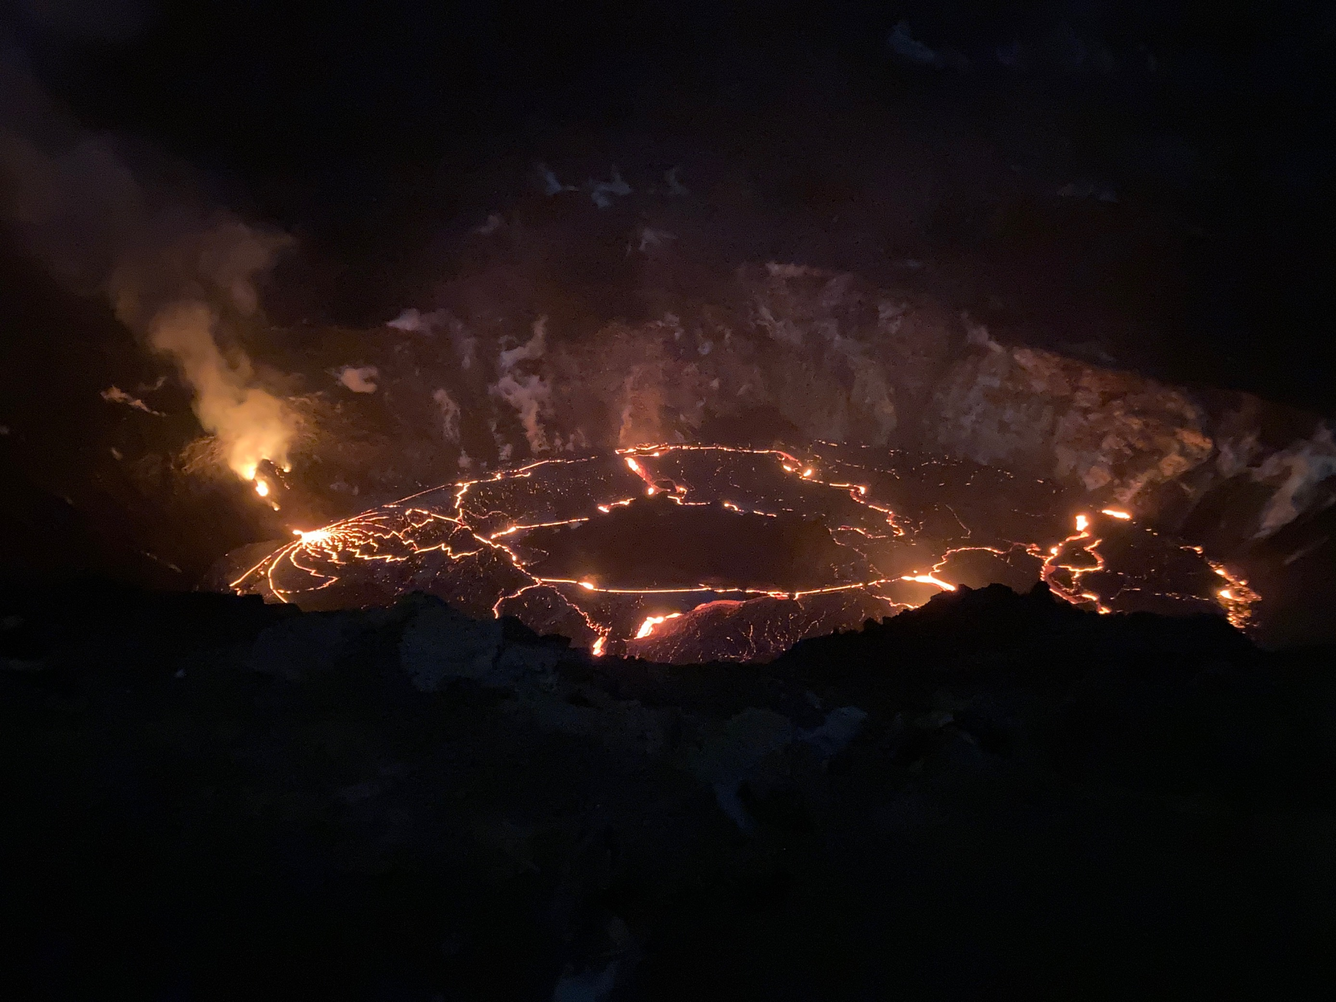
{"x":1236,"y":596}
{"x":929,"y":579}
{"x":408,"y":529}
{"x":647,"y":627}
{"x":1053,"y":567}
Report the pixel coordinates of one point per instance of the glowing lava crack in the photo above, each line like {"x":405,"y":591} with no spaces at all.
{"x":686,"y":553}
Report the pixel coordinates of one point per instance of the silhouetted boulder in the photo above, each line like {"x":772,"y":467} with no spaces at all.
{"x":992,"y":791}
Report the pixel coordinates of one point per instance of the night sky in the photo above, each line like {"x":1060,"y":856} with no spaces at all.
{"x":372,"y":129}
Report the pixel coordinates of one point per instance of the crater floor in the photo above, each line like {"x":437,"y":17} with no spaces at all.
{"x":696,"y":553}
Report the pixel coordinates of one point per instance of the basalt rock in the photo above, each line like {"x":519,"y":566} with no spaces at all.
{"x":403,"y":802}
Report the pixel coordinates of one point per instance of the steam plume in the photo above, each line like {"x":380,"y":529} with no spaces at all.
{"x":179,"y":277}
{"x":251,"y":424}
{"x":530,"y":395}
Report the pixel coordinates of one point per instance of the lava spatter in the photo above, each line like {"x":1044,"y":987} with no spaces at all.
{"x":692,"y":553}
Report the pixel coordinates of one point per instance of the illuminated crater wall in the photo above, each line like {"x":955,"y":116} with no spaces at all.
{"x":780,"y":353}
{"x":688,"y":553}
{"x":514,"y":361}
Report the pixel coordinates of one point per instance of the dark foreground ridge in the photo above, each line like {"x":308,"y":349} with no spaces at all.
{"x":210,"y":798}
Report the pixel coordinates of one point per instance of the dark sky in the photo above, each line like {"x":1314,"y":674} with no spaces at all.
{"x":284,"y":87}
{"x":350,"y":121}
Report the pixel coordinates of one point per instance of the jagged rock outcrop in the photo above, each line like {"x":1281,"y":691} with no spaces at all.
{"x":406,"y":802}
{"x":1030,"y":409}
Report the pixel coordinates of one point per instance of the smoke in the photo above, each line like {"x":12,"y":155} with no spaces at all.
{"x":182,"y":278}
{"x":531,"y":350}
{"x":532,"y":399}
{"x":359,"y":379}
{"x":251,"y":424}
{"x":530,"y":395}
{"x":450,"y":413}
{"x":1296,"y":472}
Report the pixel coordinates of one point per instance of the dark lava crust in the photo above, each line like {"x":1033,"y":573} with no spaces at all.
{"x":210,"y":798}
{"x":655,"y":543}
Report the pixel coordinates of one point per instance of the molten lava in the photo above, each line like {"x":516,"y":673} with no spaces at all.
{"x":647,"y":627}
{"x":692,"y":553}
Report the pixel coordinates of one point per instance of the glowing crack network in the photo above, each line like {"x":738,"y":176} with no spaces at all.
{"x":694,"y":553}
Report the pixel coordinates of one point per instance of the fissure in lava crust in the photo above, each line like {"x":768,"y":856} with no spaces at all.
{"x":695,"y":553}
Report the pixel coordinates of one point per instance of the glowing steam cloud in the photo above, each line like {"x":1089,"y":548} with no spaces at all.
{"x":177,"y":276}
{"x":169,"y":295}
{"x":250,"y":423}
{"x":181,"y":289}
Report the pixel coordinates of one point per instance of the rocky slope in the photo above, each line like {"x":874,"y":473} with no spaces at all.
{"x":208,"y":797}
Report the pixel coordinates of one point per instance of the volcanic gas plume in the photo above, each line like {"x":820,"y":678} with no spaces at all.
{"x":182,"y":276}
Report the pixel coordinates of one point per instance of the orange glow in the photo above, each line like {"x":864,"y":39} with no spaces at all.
{"x":1237,"y":598}
{"x":647,"y":627}
{"x":399,"y":532}
{"x":929,"y":579}
{"x":1054,"y":572}
{"x":639,"y":471}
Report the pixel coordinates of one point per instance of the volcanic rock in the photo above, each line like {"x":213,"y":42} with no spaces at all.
{"x":439,"y":643}
{"x":1007,"y":791}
